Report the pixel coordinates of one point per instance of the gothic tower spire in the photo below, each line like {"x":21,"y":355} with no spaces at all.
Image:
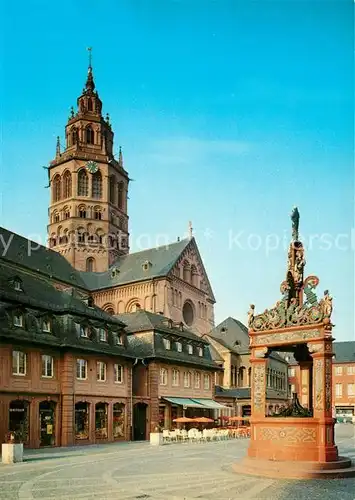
{"x":88,"y":209}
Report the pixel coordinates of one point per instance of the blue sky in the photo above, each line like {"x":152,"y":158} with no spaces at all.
{"x":228,"y":112}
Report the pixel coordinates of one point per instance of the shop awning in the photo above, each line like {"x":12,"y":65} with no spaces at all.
{"x":189,"y":403}
{"x":211,"y":404}
{"x":196,"y":403}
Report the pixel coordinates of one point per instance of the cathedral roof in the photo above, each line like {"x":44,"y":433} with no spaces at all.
{"x":138,"y":266}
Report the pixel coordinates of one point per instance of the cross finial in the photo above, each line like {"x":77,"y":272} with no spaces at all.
{"x":190,"y":230}
{"x":90,"y":57}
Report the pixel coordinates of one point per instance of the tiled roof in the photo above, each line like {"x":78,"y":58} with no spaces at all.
{"x":146,"y":331}
{"x":344,"y":352}
{"x":29,"y":254}
{"x":232,"y":333}
{"x":237,"y":392}
{"x":130,"y":268}
{"x":141,"y":321}
{"x":244,"y":393}
{"x":39,"y":292}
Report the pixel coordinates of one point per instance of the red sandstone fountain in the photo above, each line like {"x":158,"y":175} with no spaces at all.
{"x":299,"y":441}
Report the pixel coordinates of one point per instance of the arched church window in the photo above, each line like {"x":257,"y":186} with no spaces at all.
{"x":82,"y":212}
{"x":120,"y":195}
{"x":90,"y":265}
{"x":83,"y":183}
{"x":97,"y":213}
{"x":97,"y":185}
{"x":56,"y":188}
{"x":112,"y":189}
{"x":89,"y":105}
{"x":67,"y":184}
{"x":89,"y":135}
{"x":74,"y":136}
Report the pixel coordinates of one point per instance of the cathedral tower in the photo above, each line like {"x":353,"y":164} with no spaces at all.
{"x":88,"y":221}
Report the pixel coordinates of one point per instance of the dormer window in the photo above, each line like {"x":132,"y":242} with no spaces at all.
{"x":114,"y":272}
{"x":146,"y":265}
{"x":46,"y":326}
{"x":118,"y":339}
{"x":190,"y":349}
{"x":84,"y":332}
{"x":200,"y":351}
{"x":167,"y":344}
{"x":102,"y":335}
{"x":18,"y":320}
{"x":17,"y":285}
{"x":179,"y":346}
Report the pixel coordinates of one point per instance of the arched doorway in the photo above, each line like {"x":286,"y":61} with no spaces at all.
{"x":47,"y":423}
{"x":19,"y":413}
{"x":140,"y":422}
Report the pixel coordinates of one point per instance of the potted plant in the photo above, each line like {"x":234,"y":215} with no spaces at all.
{"x":12,"y":448}
{"x":156,"y":437}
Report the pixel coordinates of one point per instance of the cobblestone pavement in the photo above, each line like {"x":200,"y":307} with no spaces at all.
{"x":128,"y":471}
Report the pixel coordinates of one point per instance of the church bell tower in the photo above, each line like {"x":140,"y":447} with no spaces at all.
{"x":88,"y":221}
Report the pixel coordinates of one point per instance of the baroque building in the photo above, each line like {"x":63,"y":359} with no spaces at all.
{"x":72,"y":374}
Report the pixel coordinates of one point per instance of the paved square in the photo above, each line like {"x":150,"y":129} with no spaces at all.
{"x":128,"y":471}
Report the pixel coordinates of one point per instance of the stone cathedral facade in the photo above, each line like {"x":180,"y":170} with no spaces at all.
{"x":89,"y":226}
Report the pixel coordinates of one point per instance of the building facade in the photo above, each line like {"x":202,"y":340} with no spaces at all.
{"x":71,"y":373}
{"x":343,"y":379}
{"x":229,"y":343}
{"x":88,"y":226}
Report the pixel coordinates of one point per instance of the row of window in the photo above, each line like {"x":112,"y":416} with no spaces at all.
{"x":190,"y":349}
{"x":18,"y":319}
{"x":350,"y":370}
{"x":339,"y":390}
{"x":62,"y":187}
{"x":85,"y":212}
{"x":89,"y":134}
{"x":187,"y":379}
{"x":84,"y":331}
{"x":102,"y":334}
{"x":19,"y":368}
{"x":188,"y":273}
{"x":339,"y":370}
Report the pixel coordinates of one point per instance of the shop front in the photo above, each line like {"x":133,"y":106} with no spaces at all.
{"x":171,"y":408}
